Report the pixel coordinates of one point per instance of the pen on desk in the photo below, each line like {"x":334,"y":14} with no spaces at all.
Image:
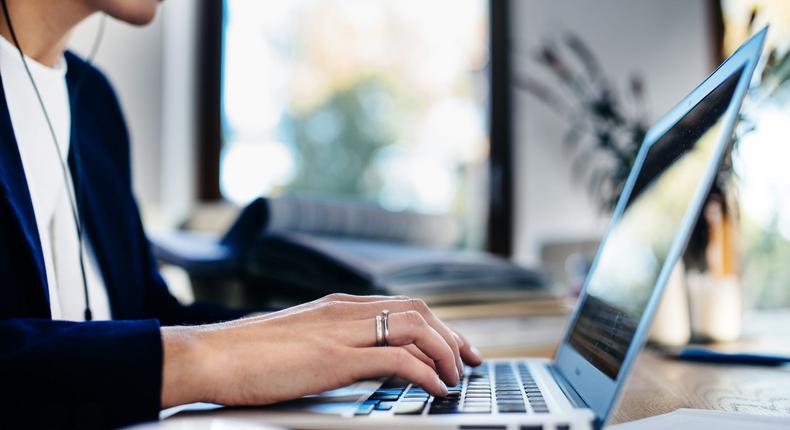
{"x":707,"y":355}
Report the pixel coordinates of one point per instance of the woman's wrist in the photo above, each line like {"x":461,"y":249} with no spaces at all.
{"x":183,"y":366}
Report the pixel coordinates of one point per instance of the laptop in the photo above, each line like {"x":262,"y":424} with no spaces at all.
{"x":578,"y":388}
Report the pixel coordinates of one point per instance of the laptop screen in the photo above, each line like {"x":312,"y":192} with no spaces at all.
{"x":629,"y":263}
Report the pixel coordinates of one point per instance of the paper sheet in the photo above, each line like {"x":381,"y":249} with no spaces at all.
{"x":683,"y":419}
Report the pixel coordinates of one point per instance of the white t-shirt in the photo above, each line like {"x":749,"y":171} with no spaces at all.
{"x":44,"y":175}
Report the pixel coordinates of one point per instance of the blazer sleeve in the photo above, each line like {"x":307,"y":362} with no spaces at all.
{"x":60,"y":374}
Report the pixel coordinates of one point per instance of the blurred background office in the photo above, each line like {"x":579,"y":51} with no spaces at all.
{"x":499,"y":114}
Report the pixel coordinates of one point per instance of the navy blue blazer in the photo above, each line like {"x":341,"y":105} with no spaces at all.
{"x":56,"y":374}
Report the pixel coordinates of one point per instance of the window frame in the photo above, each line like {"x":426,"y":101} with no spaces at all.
{"x":501,"y":201}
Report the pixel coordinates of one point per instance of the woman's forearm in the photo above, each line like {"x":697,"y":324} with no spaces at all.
{"x":183,"y":368}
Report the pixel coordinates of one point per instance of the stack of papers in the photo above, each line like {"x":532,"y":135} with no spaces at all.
{"x":693,"y":419}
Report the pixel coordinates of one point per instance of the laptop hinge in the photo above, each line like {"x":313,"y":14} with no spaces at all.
{"x":573,"y":397}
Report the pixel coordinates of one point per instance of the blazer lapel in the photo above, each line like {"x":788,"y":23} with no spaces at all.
{"x":96,"y":228}
{"x":15,"y":190}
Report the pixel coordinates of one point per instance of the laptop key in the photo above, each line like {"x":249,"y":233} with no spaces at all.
{"x":384,"y":406}
{"x":440,"y":411}
{"x":395,"y":382}
{"x":475,"y":410}
{"x":444,"y":405}
{"x":520,"y":410}
{"x":365,"y":408}
{"x":540,"y":409}
{"x":408,"y":408}
{"x":441,"y":400}
{"x":388,"y":397}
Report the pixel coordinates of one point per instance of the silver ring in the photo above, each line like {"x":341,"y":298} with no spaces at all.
{"x":379,"y":331}
{"x":385,"y":320}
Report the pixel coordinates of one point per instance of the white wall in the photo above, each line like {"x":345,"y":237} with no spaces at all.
{"x":152,"y":71}
{"x":132,"y":58}
{"x":666,"y":41}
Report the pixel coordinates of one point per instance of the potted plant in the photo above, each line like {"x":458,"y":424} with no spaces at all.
{"x":604,"y":132}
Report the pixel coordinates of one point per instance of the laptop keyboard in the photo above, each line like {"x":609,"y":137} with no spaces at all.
{"x":501,"y":387}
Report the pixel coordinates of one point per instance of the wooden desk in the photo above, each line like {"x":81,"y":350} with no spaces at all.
{"x":659,"y":385}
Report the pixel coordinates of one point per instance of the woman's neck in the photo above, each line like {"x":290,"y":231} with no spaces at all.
{"x":42,"y":27}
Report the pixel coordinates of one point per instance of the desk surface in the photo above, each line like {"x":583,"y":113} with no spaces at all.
{"x":659,"y":385}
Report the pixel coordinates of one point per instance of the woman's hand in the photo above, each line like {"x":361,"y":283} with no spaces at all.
{"x":310,"y":348}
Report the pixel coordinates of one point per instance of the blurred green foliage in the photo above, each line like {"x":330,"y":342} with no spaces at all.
{"x":338,"y":140}
{"x":765,"y":250}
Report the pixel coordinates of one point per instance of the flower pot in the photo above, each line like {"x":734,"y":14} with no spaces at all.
{"x":703,"y":301}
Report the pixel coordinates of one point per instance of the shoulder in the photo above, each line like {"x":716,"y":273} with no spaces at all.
{"x":97,"y":117}
{"x":90,"y":90}
{"x":85,"y":74}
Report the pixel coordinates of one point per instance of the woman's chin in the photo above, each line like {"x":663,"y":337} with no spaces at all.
{"x":135,"y":12}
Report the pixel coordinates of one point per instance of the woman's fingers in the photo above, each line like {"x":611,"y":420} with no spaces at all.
{"x":469,"y":353}
{"x":440,"y":327}
{"x":407,"y":328}
{"x":369,"y":309}
{"x":413,"y":350}
{"x":370,"y":306}
{"x":389,"y":361}
{"x":411,"y":328}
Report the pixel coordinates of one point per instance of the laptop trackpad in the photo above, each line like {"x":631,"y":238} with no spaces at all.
{"x":342,"y":401}
{"x":351,"y":393}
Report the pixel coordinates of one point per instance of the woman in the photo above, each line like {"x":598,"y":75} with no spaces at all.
{"x":60,"y":123}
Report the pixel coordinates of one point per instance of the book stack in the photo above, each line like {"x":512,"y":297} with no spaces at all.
{"x":297,"y":249}
{"x":511,"y":329}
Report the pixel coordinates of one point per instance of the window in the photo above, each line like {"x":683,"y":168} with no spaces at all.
{"x":760,"y":157}
{"x":374,"y":100}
